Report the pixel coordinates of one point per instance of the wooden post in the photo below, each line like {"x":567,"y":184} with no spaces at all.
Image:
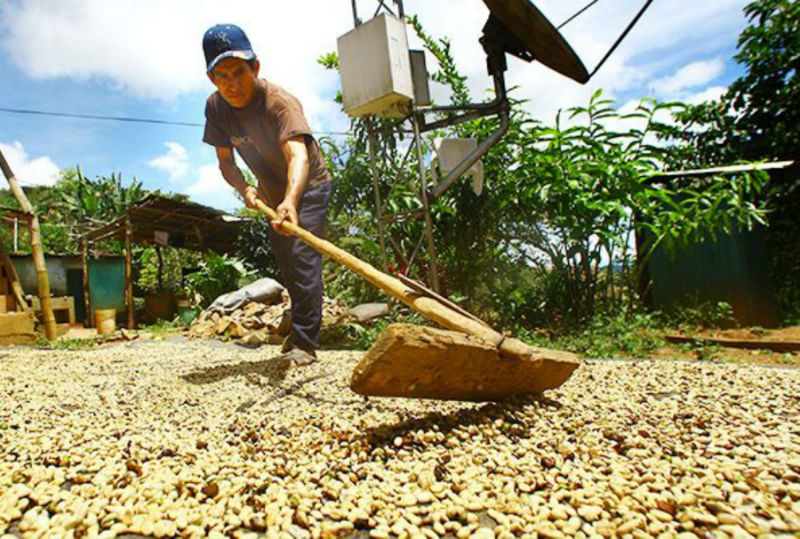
{"x":87,"y":302}
{"x":129,"y":272}
{"x":42,"y":278}
{"x":160,"y":256}
{"x":11,"y":274}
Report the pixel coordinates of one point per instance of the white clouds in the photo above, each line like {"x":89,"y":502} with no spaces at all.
{"x":690,"y":76}
{"x":666,"y":38}
{"x":709,"y":94}
{"x":211,"y":189}
{"x":175,"y":162}
{"x":29,"y":172}
{"x":209,"y":181}
{"x":203,"y":184}
{"x":152,"y":49}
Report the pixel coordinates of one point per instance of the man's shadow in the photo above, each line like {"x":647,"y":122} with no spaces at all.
{"x":514,"y":428}
{"x":271,"y":369}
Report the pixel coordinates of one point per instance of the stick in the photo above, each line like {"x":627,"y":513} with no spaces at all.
{"x":428,"y":307}
{"x":42,"y":278}
{"x":16,"y":287}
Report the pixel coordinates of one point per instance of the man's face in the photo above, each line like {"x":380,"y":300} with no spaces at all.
{"x":235,"y":80}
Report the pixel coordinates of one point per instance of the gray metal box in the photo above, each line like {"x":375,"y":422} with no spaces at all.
{"x":419,"y":74}
{"x":375,"y":68}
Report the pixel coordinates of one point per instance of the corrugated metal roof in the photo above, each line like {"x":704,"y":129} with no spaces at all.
{"x":188,"y":225}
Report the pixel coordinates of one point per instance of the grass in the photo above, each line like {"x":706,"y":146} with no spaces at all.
{"x":68,"y":344}
{"x":164,"y":328}
{"x":604,"y":337}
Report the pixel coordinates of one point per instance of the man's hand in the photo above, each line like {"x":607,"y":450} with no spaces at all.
{"x":287,"y":211}
{"x":250,"y":197}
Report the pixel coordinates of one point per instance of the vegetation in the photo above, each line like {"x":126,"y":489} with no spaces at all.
{"x":216,"y":276}
{"x":550,"y":240}
{"x":549,"y":249}
{"x":758,"y":118}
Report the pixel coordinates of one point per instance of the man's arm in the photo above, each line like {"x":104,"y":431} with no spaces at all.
{"x":296,"y":155}
{"x":235,"y":178}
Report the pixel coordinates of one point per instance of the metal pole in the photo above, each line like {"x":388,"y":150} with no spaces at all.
{"x":400,"y":11}
{"x":16,"y":234}
{"x":426,"y":207}
{"x":372,"y":143}
{"x":356,"y":21}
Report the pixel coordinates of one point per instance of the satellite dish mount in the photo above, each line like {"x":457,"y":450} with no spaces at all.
{"x":380,"y":77}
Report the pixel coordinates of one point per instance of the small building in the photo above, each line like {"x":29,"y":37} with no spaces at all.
{"x":106,"y":280}
{"x":734,"y":268}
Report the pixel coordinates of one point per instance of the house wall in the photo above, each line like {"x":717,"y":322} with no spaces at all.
{"x":106,"y":279}
{"x":733,"y":269}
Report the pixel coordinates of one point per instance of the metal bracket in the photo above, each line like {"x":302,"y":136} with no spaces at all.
{"x":381,"y":6}
{"x":496,"y":42}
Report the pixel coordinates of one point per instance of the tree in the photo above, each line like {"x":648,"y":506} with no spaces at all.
{"x":556,"y":218}
{"x":758,"y":118}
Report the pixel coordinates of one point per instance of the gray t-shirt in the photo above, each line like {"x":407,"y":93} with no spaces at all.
{"x":258,"y":131}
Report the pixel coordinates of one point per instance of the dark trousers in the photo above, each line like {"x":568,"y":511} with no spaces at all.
{"x":301,"y":267}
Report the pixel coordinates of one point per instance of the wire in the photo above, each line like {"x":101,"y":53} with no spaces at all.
{"x":98,"y":117}
{"x":577,"y":14}
{"x":621,"y":37}
{"x":125,"y":119}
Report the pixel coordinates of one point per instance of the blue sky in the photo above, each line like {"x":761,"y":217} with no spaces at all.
{"x":143,"y":59}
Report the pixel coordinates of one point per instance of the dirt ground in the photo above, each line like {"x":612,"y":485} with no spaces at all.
{"x":203,"y":439}
{"x":759,"y":356}
{"x":791,"y":333}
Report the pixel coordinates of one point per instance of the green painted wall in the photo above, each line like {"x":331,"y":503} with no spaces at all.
{"x":106,"y":280}
{"x":733,"y":269}
{"x":107,"y":283}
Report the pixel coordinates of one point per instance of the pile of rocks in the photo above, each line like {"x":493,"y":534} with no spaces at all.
{"x":259,"y":322}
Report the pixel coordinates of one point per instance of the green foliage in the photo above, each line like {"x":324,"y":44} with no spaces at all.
{"x":77,"y":204}
{"x":702,"y":349}
{"x":68,"y":344}
{"x":550,"y":241}
{"x":447,"y":73}
{"x":217,"y":275}
{"x":253,"y":245}
{"x":172,"y":263}
{"x":758,"y":118}
{"x":696,"y":314}
{"x":164,"y":328}
{"x":617,"y":336}
{"x":356,"y":336}
{"x":759,"y":115}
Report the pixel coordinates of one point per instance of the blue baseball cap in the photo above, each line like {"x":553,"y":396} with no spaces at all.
{"x":226,"y":41}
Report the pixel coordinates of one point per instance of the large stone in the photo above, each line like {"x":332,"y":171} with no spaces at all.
{"x":369,"y":311}
{"x":236,"y":330}
{"x":423,"y":362}
{"x":17,"y":328}
{"x":222,"y":324}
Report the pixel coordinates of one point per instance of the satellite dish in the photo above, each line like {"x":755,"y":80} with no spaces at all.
{"x":535,"y":38}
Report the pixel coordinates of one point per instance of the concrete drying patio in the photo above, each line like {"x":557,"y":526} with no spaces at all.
{"x":201,"y":439}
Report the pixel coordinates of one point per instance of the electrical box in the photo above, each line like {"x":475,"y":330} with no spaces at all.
{"x":376,"y":69}
{"x":449,"y":153}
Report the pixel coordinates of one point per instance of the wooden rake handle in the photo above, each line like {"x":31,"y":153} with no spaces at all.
{"x":427,"y":306}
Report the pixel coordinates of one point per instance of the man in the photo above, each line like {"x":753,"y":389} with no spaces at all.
{"x":266,"y":126}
